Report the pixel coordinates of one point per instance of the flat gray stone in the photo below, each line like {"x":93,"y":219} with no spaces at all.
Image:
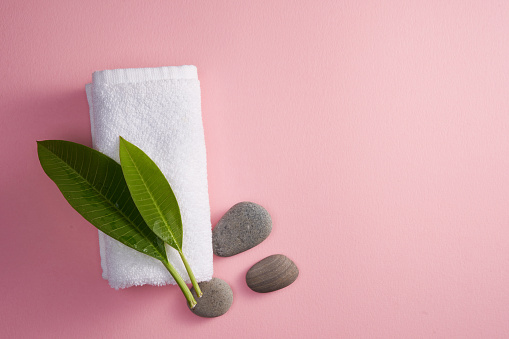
{"x":271,"y":274}
{"x":243,"y":226}
{"x":216,"y":300}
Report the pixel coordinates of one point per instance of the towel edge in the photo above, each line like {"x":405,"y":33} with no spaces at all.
{"x":133,"y":75}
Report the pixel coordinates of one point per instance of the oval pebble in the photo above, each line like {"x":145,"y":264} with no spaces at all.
{"x":271,"y":274}
{"x":216,"y":300}
{"x":242,"y":227}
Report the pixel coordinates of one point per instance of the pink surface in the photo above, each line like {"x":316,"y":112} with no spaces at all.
{"x":375,"y":134}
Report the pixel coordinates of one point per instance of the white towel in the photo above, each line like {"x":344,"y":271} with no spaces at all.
{"x":158,"y":110}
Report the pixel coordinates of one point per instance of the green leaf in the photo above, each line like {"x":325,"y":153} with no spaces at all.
{"x":94,"y":185}
{"x":152,"y":194}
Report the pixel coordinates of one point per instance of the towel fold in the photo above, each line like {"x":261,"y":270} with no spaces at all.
{"x":158,"y":110}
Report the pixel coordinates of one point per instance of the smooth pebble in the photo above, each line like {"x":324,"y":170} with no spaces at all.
{"x":243,"y":226}
{"x":271,"y":274}
{"x":216,"y":300}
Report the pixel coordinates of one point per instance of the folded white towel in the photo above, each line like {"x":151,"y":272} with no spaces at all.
{"x":158,"y":110}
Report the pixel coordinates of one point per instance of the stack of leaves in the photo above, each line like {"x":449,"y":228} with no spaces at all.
{"x":131,"y":202}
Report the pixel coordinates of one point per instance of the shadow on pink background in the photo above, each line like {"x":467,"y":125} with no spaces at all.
{"x":375,"y":133}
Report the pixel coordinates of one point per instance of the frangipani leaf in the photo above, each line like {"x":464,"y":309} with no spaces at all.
{"x":94,"y":185}
{"x":152,"y":194}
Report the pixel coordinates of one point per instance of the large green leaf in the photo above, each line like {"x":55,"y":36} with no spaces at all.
{"x":152,"y":194}
{"x":94,"y":185}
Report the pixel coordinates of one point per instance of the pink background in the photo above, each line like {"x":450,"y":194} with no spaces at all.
{"x":374,"y":132}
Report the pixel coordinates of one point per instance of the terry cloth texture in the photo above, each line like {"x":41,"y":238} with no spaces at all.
{"x":158,"y":110}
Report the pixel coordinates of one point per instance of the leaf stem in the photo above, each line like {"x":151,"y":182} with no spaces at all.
{"x":191,"y":275}
{"x":187,"y":293}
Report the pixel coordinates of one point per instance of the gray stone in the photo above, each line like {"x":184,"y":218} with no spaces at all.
{"x":216,"y":300}
{"x":243,"y":226}
{"x":271,"y":274}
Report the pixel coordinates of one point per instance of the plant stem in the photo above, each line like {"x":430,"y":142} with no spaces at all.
{"x":191,"y":275}
{"x":187,"y":293}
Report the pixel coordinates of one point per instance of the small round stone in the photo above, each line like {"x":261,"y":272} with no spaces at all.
{"x":271,"y":274}
{"x":216,"y":300}
{"x":242,"y":227}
